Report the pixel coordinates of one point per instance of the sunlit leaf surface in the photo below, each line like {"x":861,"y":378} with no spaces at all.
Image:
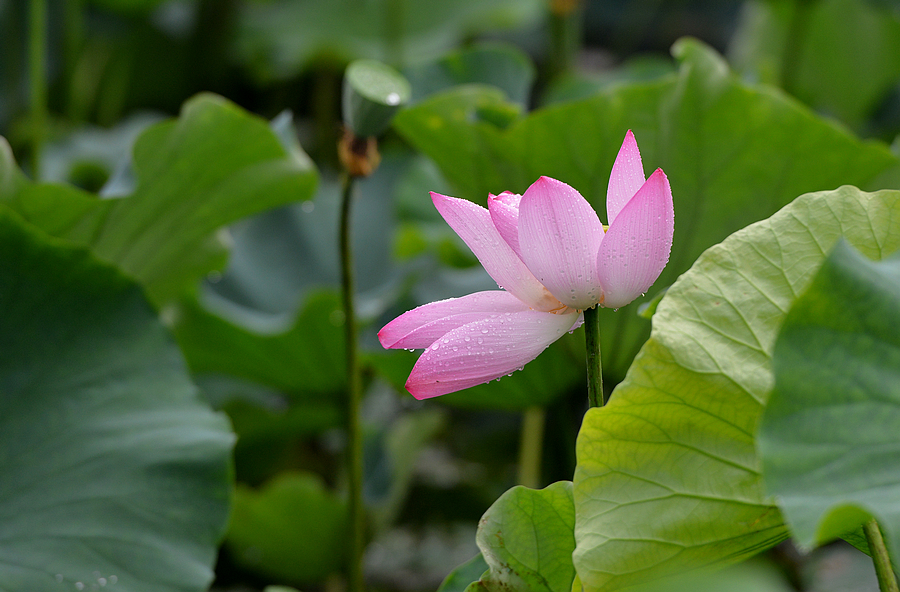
{"x":668,"y":477}
{"x":526,"y":539}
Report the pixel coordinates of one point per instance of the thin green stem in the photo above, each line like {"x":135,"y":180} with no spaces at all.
{"x":887,"y":580}
{"x":592,"y":347}
{"x":795,"y":36}
{"x":354,"y":394}
{"x":73,"y":42}
{"x":531,"y":447}
{"x":566,"y":23}
{"x":37,"y":49}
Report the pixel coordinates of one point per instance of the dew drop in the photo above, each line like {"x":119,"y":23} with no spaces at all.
{"x":79,"y":586}
{"x":59,"y":578}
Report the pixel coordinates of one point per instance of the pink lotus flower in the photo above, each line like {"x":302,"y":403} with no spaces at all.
{"x":549,"y":253}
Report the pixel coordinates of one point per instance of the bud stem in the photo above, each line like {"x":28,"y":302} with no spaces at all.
{"x":887,"y":581}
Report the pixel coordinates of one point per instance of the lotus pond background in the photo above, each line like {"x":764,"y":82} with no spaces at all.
{"x":172,"y":363}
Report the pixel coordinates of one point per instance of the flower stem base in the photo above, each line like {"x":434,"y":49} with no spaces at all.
{"x":592,"y":347}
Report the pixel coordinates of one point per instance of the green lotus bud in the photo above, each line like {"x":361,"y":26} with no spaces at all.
{"x":372,"y":94}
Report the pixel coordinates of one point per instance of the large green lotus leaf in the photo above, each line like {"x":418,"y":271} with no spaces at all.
{"x":526,"y":539}
{"x":293,"y":529}
{"x":304,"y":360}
{"x":668,"y":477}
{"x":841,"y":57}
{"x":734,"y":153}
{"x":280,"y":39}
{"x":113,"y":471}
{"x":213,"y":165}
{"x":277,"y":386}
{"x":829,"y":439}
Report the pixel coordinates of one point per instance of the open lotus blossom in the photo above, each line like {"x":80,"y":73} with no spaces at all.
{"x":548,"y":251}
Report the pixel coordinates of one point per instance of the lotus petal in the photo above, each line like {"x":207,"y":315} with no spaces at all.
{"x":559,"y":236}
{"x":483,"y":350}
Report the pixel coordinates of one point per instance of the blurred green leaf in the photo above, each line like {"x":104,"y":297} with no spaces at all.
{"x":460,"y":578}
{"x":113,"y":471}
{"x":391,"y":455}
{"x":676,"y":441}
{"x":841,"y":57}
{"x":213,"y":165}
{"x":292,"y":529}
{"x":279,"y":387}
{"x":90,"y":146}
{"x":575,"y":86}
{"x":129,"y":6}
{"x":304,"y":361}
{"x":280,"y":39}
{"x":526,"y":539}
{"x":281,"y":256}
{"x":828,"y":439}
{"x":734,"y":153}
{"x":502,"y":66}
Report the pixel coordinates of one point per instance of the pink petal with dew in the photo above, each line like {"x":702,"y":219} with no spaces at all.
{"x":473,"y":224}
{"x":637,"y":245}
{"x":626,"y":178}
{"x":484,"y":350}
{"x":422,"y":326}
{"x":504,"y":209}
{"x":559,"y":235}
